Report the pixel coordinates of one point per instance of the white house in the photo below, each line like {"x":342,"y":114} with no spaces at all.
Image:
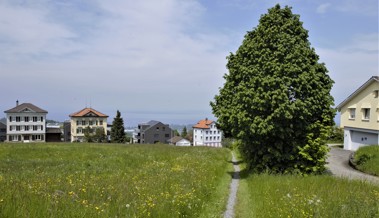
{"x":179,"y":141}
{"x":26,"y":123}
{"x":360,"y":116}
{"x":205,"y":133}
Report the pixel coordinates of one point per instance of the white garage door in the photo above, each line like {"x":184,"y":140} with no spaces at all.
{"x":359,"y":139}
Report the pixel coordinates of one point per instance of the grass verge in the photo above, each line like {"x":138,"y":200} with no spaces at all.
{"x":367,"y":159}
{"x":92,"y":180}
{"x":312,"y":196}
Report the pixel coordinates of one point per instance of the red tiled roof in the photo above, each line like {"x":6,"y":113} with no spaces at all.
{"x":85,"y":111}
{"x":203,"y":124}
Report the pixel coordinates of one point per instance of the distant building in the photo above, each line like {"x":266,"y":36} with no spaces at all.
{"x":87,"y":117}
{"x":3,"y":132}
{"x":26,"y":123}
{"x":153,"y":132}
{"x":67,"y":131}
{"x":179,"y":141}
{"x":53,"y":134}
{"x":360,"y":116}
{"x":205,"y":133}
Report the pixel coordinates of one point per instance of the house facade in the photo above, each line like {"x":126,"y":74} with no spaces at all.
{"x":87,"y":117}
{"x":360,"y":116}
{"x":153,"y":132}
{"x":205,"y":133}
{"x":26,"y":123}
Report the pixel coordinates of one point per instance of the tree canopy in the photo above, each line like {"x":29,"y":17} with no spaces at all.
{"x":276,"y":97}
{"x":118,"y":130}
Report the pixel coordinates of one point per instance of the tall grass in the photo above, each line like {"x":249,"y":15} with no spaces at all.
{"x":312,"y":196}
{"x":91,"y":180}
{"x":367,"y":159}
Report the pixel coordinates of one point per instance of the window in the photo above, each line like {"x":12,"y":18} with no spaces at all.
{"x":41,"y":127}
{"x":83,"y":122}
{"x":351,"y":113}
{"x":167,"y":135}
{"x":215,"y":132}
{"x":206,"y":138}
{"x":79,"y":130}
{"x":26,"y":128}
{"x":157,"y":128}
{"x":366,"y":114}
{"x":163,"y":128}
{"x":18,"y":119}
{"x":90,"y":122}
{"x":41,"y":119}
{"x":34,"y":128}
{"x":18,"y":128}
{"x":77,"y":122}
{"x":26,"y":119}
{"x":10,"y":128}
{"x":97,"y":123}
{"x":206,"y":132}
{"x":10,"y":118}
{"x":376,"y":93}
{"x":34,"y":119}
{"x":101,"y":122}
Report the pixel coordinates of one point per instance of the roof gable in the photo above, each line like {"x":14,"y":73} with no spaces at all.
{"x":203,"y":124}
{"x":88,"y":112}
{"x":26,"y":108}
{"x":359,"y":90}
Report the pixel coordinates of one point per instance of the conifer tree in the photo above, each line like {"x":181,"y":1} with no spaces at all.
{"x":276,"y":98}
{"x":118,"y":131}
{"x":184,"y":132}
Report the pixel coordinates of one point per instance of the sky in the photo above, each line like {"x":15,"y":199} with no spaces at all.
{"x":160,"y":60}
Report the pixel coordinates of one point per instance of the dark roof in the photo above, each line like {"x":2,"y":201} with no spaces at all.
{"x":85,"y":111}
{"x":372,"y":79}
{"x":20,"y":108}
{"x":3,"y":125}
{"x":53,"y":130}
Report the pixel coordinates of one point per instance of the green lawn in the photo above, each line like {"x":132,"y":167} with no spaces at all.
{"x":105,"y":180}
{"x":311,"y":196}
{"x":367,"y":159}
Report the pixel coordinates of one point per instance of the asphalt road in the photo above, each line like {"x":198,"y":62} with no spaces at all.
{"x":338,"y":164}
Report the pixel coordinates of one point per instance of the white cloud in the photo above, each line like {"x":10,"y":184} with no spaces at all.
{"x":352,"y":65}
{"x":321,"y":9}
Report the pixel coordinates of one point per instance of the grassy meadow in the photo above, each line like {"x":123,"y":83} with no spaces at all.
{"x":367,"y":159}
{"x":107,"y":180}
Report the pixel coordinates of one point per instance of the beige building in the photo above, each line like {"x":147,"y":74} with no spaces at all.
{"x":360,"y":116}
{"x":88,"y":117}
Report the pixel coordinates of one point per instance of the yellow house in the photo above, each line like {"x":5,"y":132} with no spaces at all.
{"x":360,"y":116}
{"x":88,"y":117}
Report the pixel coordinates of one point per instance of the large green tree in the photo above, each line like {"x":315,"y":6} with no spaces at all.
{"x":118,"y":130}
{"x":276,"y":99}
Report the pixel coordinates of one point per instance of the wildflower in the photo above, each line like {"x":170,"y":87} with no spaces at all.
{"x":127,"y":205}
{"x":288,"y":195}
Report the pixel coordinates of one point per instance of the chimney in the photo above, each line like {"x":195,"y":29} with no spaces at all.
{"x":17,"y":103}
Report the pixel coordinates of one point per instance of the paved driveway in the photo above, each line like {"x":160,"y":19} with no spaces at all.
{"x":338,"y":164}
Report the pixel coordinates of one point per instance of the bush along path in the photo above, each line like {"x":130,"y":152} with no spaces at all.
{"x":229,"y":213}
